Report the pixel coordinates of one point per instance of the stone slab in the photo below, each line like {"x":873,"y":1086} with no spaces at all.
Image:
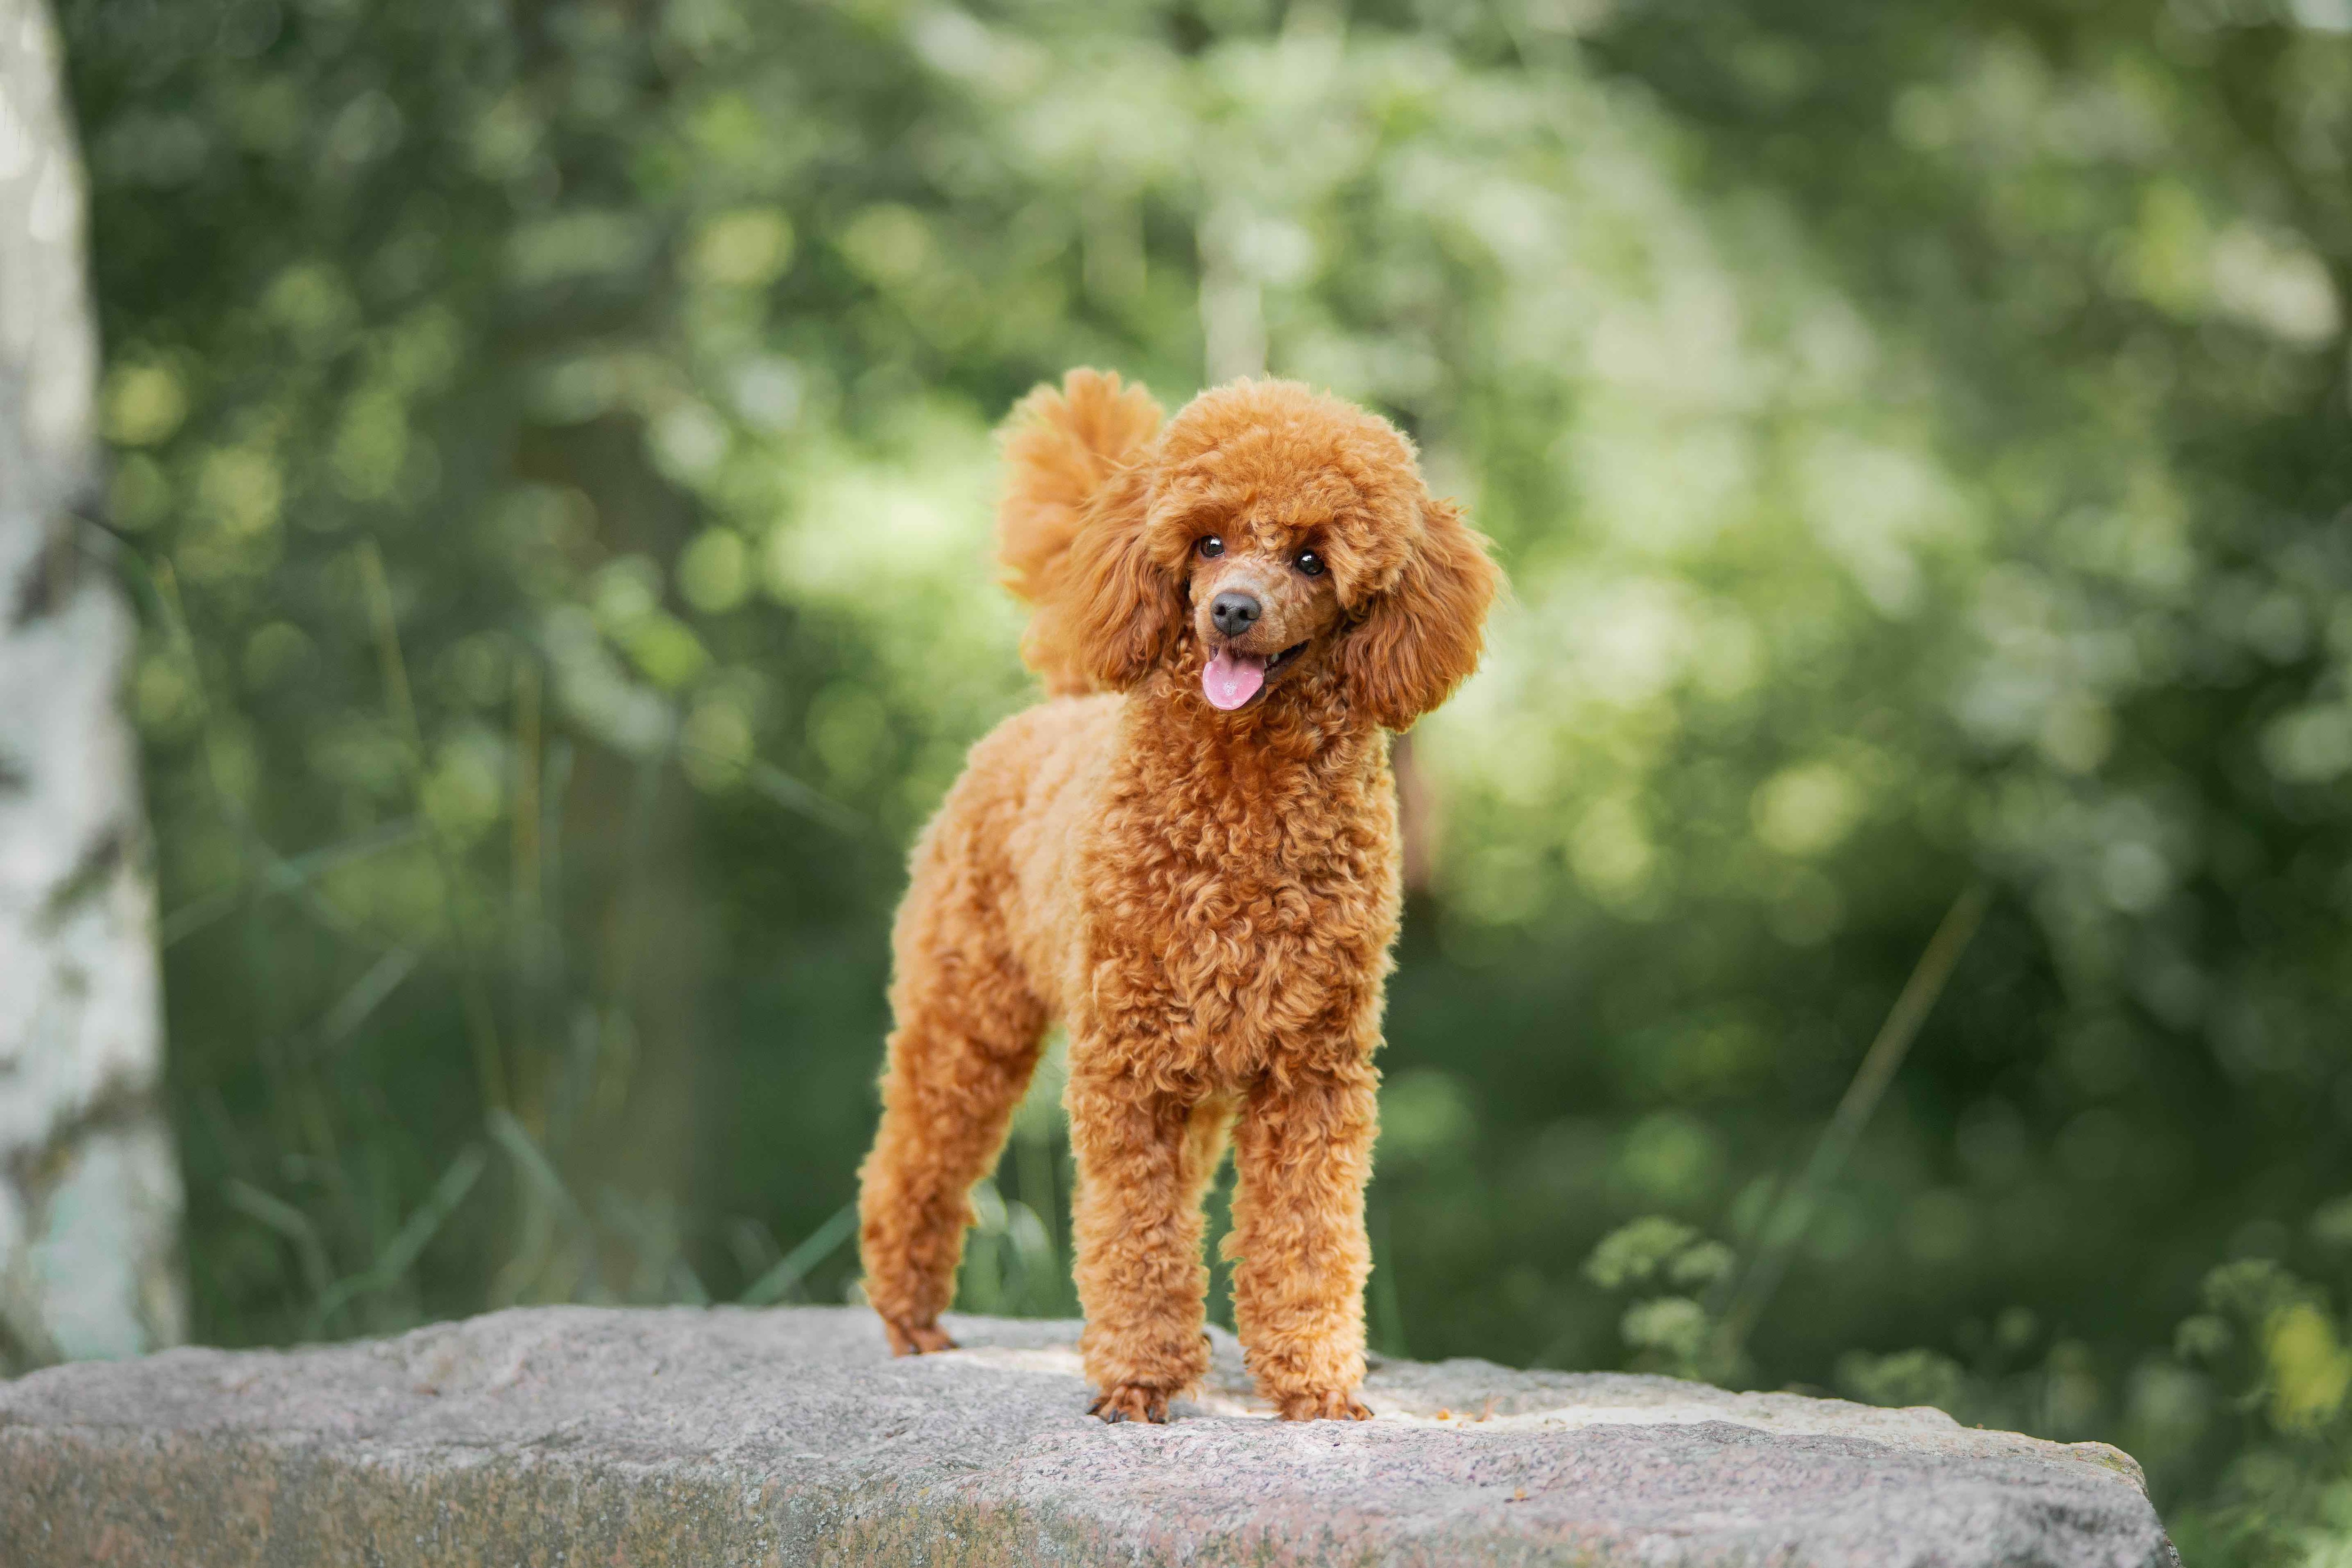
{"x":572,"y":1435}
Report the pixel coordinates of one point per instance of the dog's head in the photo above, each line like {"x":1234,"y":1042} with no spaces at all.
{"x":1268,"y":531}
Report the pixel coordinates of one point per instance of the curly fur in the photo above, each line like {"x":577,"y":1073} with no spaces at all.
{"x":1205,"y":898}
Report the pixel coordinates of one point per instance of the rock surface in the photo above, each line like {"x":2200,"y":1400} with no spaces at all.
{"x":568,"y":1435}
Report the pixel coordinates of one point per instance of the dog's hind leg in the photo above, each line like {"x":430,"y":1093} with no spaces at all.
{"x":966,"y":1038}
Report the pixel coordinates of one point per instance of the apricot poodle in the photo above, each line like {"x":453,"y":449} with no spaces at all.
{"x":1188,"y":857}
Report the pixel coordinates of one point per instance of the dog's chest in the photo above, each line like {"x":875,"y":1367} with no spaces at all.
{"x":1246,"y":934}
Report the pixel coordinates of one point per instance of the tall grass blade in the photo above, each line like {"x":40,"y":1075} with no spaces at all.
{"x":289,"y":1222}
{"x":1778,"y":1237}
{"x":400,"y":1254}
{"x":280,"y":874}
{"x":793,"y":795}
{"x":481,"y":1024}
{"x":537,"y":1169}
{"x":797,"y":1264}
{"x":366,"y":995}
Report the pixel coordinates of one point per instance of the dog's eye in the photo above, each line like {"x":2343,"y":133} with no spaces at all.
{"x":1210,"y":547}
{"x":1310,"y":564}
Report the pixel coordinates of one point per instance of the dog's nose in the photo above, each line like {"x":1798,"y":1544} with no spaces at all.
{"x":1234,"y":614}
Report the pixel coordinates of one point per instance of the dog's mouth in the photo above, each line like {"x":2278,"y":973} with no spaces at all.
{"x":1233,"y":680}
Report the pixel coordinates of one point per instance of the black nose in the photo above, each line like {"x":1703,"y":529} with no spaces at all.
{"x":1234,"y":613}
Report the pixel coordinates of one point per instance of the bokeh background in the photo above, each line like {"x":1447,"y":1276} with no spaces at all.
{"x":555,"y":438}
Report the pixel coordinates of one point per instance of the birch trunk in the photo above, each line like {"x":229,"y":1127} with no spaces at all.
{"x":89,"y":1194}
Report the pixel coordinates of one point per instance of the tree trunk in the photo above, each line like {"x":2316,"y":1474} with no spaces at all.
{"x":89,"y":1191}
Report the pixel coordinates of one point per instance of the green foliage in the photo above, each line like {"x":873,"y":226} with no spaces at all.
{"x":1650,"y":1247}
{"x":1905,"y":1378}
{"x":554,"y":436}
{"x":1679,"y":1328}
{"x":2256,"y":1394}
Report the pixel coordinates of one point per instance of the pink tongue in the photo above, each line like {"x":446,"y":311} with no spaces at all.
{"x":1232,"y":679}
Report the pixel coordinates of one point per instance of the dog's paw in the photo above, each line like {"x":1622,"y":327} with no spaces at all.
{"x":1130,"y":1402}
{"x":1332,"y":1404}
{"x":915,"y":1339}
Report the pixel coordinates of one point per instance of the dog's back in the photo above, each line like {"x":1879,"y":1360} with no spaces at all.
{"x":1062,"y":445}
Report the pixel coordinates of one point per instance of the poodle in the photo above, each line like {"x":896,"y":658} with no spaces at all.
{"x":1189,"y":857}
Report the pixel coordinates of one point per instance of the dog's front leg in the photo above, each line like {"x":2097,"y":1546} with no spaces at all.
{"x":1144,"y":1157}
{"x":1303,"y":1148}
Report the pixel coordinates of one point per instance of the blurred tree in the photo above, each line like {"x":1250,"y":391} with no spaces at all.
{"x":90,"y":1188}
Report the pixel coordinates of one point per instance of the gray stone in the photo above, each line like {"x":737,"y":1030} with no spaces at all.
{"x":570,"y":1434}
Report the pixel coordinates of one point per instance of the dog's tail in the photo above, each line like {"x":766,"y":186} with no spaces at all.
{"x":1061,"y":446}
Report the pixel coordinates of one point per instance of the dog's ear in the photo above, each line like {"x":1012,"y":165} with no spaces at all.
{"x":1419,"y":639}
{"x":1123,"y":606}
